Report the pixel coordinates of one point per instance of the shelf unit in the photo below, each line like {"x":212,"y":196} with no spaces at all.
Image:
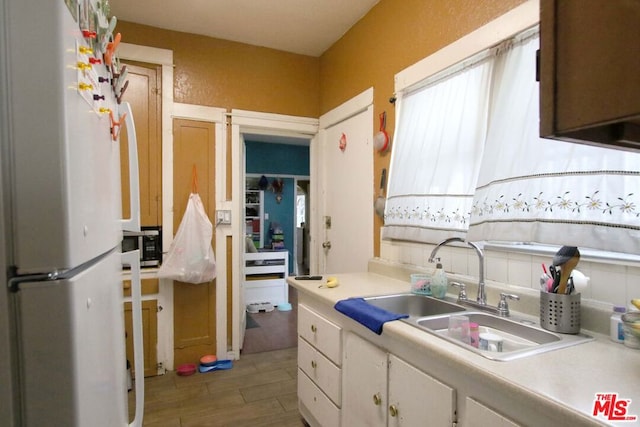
{"x":265,"y":277}
{"x":254,"y":216}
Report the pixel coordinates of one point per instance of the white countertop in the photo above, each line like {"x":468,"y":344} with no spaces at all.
{"x":569,"y":377}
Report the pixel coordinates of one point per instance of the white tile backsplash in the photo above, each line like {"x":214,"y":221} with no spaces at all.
{"x":519,"y":271}
{"x":496,"y":267}
{"x":609,"y":283}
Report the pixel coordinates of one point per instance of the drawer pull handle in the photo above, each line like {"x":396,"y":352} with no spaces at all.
{"x":393,"y":410}
{"x":313,"y":328}
{"x":377,"y":400}
{"x":313,"y":364}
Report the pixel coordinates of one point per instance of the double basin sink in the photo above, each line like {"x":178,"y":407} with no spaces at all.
{"x":521,"y":337}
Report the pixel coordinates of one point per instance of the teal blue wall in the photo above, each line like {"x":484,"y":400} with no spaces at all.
{"x":272,"y":160}
{"x":285,"y":159}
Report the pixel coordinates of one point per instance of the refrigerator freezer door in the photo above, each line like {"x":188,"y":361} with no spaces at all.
{"x":65,"y":164}
{"x":72,"y":349}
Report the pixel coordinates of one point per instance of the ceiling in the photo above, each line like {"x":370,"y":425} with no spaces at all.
{"x":307,"y":27}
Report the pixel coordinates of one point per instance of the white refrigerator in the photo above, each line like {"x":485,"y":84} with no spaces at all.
{"x":62,"y":339}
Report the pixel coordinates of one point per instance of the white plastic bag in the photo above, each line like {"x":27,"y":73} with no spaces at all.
{"x":190,"y":258}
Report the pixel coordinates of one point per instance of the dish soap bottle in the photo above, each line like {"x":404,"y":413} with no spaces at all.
{"x":439,"y":282}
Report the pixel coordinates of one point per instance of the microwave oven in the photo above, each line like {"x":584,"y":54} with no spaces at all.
{"x":149,"y":241}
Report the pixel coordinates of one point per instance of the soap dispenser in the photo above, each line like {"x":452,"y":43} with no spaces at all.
{"x":439,"y":282}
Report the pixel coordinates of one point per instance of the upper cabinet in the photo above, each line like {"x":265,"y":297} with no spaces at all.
{"x":590,"y":72}
{"x":144,"y":96}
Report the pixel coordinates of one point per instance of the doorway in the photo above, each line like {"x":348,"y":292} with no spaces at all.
{"x":273,"y":168}
{"x":266,"y":130}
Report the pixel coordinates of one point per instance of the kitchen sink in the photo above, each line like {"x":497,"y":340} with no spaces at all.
{"x":521,"y":337}
{"x":414,"y":305}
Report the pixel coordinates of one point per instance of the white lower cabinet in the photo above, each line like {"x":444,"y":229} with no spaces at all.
{"x":316,"y":408}
{"x":382,"y":390}
{"x":478,"y":415}
{"x":319,"y":368}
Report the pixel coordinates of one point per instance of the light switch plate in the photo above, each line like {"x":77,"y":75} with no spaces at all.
{"x":223,"y":217}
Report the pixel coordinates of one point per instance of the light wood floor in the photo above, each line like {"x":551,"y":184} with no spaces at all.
{"x":260,"y":389}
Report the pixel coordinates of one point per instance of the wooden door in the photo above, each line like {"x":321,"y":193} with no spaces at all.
{"x":143,"y":93}
{"x":194,"y":304}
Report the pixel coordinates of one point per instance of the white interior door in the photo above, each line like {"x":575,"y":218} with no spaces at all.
{"x":346,"y":219}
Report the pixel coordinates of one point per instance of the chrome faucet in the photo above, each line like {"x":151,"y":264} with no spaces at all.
{"x":482,"y":296}
{"x":502,"y":309}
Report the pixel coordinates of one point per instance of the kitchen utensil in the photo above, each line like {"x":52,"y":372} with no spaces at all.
{"x":555,"y":276}
{"x":564,"y":254}
{"x":545,"y":280}
{"x":580,"y":281}
{"x":217,"y":366}
{"x":560,"y":313}
{"x":380,"y":202}
{"x":544,"y":269}
{"x":381,"y":139}
{"x":567,"y":258}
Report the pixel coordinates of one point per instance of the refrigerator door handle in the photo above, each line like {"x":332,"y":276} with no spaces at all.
{"x":132,"y":258}
{"x":133,"y":223}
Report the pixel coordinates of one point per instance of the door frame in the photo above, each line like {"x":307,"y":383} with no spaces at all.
{"x":242,"y":122}
{"x":164,"y":58}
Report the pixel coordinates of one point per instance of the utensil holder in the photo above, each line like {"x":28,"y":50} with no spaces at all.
{"x":560,"y":312}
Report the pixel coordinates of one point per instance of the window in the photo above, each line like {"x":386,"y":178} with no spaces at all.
{"x":437,"y":153}
{"x":526,"y":189}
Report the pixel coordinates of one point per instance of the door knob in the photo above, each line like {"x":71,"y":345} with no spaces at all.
{"x":326,"y":245}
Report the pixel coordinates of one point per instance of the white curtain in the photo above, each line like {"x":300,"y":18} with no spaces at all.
{"x":546,"y":191}
{"x":436,"y":156}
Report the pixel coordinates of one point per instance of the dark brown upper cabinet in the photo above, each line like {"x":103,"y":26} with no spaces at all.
{"x":590,"y":72}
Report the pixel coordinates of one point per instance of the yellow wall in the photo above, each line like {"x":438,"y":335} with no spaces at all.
{"x":392,"y":36}
{"x":227,"y":74}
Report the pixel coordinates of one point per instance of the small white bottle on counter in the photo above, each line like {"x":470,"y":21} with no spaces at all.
{"x":615,"y":328}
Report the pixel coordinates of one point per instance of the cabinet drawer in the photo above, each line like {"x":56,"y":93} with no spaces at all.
{"x":316,"y":402}
{"x":321,"y":370}
{"x":321,"y":333}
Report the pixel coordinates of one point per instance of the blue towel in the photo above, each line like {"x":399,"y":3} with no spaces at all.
{"x":369,"y":315}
